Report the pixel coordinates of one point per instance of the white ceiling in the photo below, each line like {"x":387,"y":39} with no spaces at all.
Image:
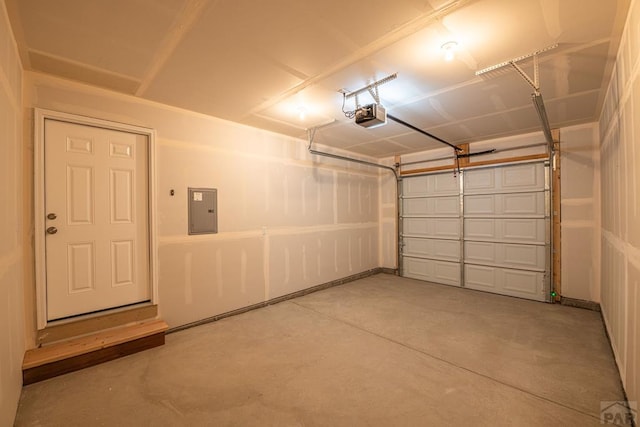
{"x":260,"y":62}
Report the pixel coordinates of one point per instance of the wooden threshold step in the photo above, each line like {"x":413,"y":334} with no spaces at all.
{"x":71,"y":355}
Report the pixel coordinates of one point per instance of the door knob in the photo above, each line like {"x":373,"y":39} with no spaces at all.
{"x":52,"y":216}
{"x":52,"y":230}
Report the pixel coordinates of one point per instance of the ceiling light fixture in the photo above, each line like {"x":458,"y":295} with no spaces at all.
{"x":449,"y":49}
{"x":302,"y":113}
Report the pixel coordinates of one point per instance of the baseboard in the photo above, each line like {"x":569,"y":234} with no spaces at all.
{"x":580,"y":303}
{"x":277,"y":300}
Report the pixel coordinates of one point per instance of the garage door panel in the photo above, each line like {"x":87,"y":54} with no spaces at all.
{"x":515,"y":178}
{"x":523,"y":282}
{"x":495,"y":241}
{"x":448,"y":250}
{"x":481,"y":229}
{"x":445,"y":183}
{"x":480,"y":277}
{"x":531,"y":257}
{"x":430,"y":185}
{"x":447,"y":206}
{"x":524,"y":230}
{"x":530,"y":204}
{"x":415,"y":187}
{"x":435,"y":271}
{"x":447,"y":272}
{"x":479,"y":180}
{"x":517,"y":283}
{"x":505,"y":205}
{"x":479,"y":205}
{"x":480,"y":252}
{"x":445,"y":228}
{"x":434,"y":206}
{"x":522,"y":177}
{"x":520,"y":230}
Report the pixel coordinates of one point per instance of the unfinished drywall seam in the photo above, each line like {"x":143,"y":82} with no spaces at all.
{"x":265,"y":263}
{"x":188,"y":285}
{"x":307,"y":162}
{"x":6,"y":86}
{"x":181,"y":25}
{"x":272,"y":231}
{"x":335,"y":197}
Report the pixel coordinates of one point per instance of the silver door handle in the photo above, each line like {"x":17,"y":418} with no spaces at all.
{"x":52,"y":230}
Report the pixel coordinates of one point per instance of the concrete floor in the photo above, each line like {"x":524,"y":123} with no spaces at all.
{"x":379,"y":351}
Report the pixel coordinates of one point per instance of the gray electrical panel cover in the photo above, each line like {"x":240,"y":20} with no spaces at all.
{"x":203,"y":210}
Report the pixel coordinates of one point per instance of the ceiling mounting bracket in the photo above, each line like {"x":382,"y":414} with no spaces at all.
{"x":311,"y":133}
{"x":374,"y":94}
{"x":514,"y":60}
{"x":535,"y":84}
{"x":371,"y":88}
{"x":536,"y":96}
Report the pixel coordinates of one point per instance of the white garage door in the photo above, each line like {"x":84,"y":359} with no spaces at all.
{"x":491,"y":233}
{"x":431,"y":228}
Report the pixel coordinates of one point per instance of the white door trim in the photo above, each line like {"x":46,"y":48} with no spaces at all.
{"x":40,"y":115}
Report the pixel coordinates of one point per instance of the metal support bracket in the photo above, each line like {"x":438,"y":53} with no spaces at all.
{"x":525,"y":76}
{"x":370,"y":87}
{"x":535,"y":84}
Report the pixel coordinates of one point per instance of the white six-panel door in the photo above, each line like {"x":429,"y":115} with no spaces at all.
{"x":487,"y":229}
{"x":97,"y":227}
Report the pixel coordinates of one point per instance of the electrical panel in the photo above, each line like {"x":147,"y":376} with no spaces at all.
{"x":203,"y":211}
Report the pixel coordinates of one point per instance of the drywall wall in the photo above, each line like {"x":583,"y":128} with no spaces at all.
{"x":580,"y":213}
{"x":11,"y":213}
{"x":620,"y":183}
{"x":287,"y":220}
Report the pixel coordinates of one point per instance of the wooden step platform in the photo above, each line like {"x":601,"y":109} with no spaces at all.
{"x":74,"y":354}
{"x":96,"y":323}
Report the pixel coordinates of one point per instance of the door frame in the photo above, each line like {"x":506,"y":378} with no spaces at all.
{"x":40,"y":116}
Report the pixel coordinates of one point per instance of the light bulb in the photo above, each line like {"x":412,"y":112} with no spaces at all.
{"x":302,"y":113}
{"x":449,"y":49}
